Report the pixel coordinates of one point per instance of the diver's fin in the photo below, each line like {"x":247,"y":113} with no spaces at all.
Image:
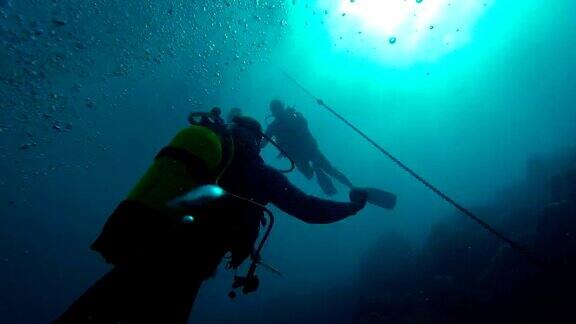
{"x":381,"y":198}
{"x":325,"y":183}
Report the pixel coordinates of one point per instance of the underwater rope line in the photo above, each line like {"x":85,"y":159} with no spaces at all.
{"x":514,"y":245}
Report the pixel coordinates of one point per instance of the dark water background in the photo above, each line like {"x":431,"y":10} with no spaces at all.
{"x":91,"y":90}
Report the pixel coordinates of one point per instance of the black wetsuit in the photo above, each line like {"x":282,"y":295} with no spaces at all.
{"x":160,"y":285}
{"x":291,"y":132}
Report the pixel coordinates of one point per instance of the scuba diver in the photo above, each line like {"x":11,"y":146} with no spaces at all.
{"x":233,"y":113}
{"x":161,"y":253}
{"x":291,"y":132}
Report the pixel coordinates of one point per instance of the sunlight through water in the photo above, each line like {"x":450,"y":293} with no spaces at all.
{"x":403,"y":32}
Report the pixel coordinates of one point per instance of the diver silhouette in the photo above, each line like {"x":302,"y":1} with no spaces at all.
{"x":290,"y":129}
{"x":159,"y":261}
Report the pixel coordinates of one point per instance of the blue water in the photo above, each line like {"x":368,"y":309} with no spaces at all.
{"x":90,"y":91}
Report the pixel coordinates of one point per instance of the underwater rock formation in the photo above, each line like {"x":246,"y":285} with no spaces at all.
{"x":463,"y":275}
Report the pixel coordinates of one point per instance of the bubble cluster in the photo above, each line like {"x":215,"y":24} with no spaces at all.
{"x":53,"y":51}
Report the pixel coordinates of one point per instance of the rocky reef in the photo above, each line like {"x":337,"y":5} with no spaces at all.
{"x":464,"y":275}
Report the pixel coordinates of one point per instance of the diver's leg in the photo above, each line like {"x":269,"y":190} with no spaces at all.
{"x":141,"y":295}
{"x":162,"y":296}
{"x":182,"y":296}
{"x":324,"y":182}
{"x":320,"y":161}
{"x":100,"y":304}
{"x":305,"y":168}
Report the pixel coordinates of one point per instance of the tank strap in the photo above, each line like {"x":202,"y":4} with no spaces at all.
{"x":195,"y":166}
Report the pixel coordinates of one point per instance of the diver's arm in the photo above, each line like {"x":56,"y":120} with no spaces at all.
{"x":310,"y":209}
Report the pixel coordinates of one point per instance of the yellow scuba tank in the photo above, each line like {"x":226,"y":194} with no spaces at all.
{"x":191,"y":158}
{"x":141,"y":224}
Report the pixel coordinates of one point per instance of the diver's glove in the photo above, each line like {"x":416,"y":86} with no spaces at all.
{"x":358,"y":198}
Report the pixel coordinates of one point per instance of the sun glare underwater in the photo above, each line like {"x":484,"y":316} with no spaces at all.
{"x":419,"y":30}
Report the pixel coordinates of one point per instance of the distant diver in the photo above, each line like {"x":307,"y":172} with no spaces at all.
{"x":163,"y":247}
{"x":290,"y":129}
{"x":380,"y":198}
